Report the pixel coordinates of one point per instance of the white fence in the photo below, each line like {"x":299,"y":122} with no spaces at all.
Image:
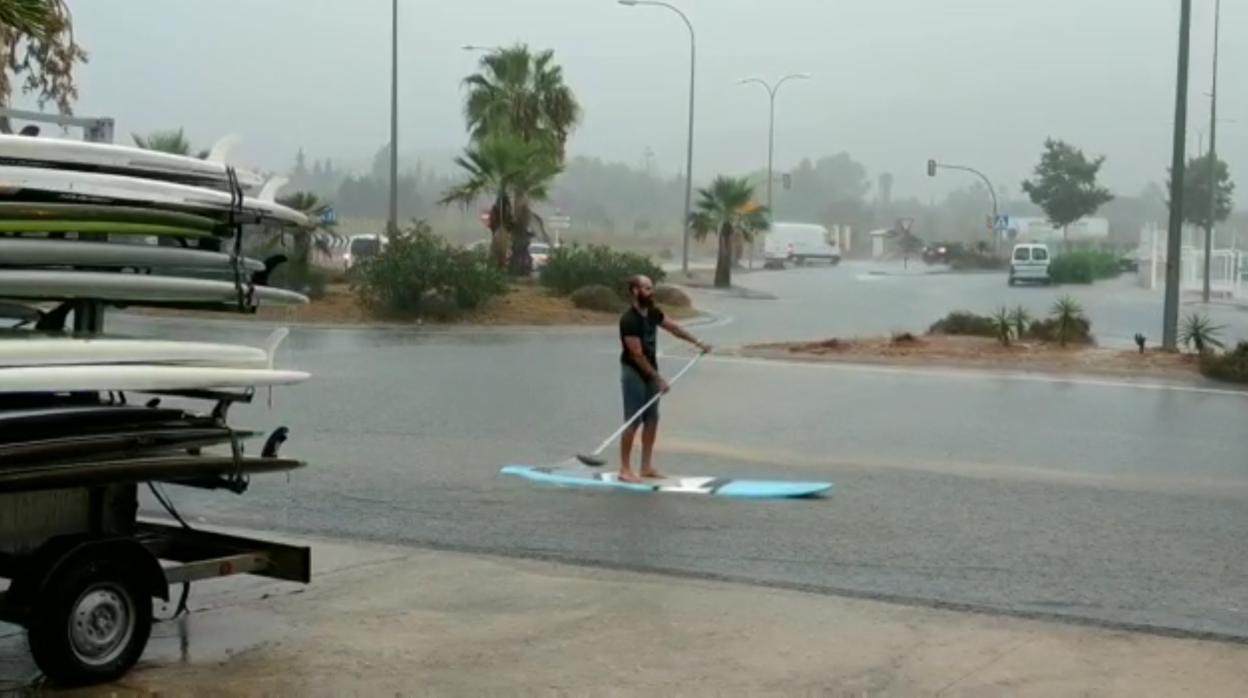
{"x":1227,"y":266}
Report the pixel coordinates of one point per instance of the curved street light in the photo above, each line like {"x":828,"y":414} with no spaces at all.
{"x":771,"y":128}
{"x":693,"y":60}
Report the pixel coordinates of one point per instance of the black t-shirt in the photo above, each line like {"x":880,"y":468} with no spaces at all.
{"x":645,"y":327}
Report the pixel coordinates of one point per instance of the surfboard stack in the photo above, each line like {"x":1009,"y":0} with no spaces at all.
{"x":85,"y":227}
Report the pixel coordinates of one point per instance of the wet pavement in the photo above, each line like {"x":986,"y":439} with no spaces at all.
{"x":1094,"y":500}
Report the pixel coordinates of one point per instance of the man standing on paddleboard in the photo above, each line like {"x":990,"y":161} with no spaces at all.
{"x":640,"y":380}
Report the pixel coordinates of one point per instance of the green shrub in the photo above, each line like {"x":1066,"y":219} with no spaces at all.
{"x":1049,"y":330}
{"x":570,"y":268}
{"x":1231,"y":366}
{"x":670,"y":295}
{"x":419,"y":274}
{"x":964,"y":323}
{"x":1083,"y":267}
{"x":599,"y":298}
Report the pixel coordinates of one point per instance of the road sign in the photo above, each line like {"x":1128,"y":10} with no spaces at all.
{"x":329,"y":216}
{"x":1002,"y":223}
{"x":559,"y":222}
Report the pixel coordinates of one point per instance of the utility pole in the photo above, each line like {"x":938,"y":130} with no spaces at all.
{"x":1174,"y":239}
{"x":392,"y":224}
{"x":1213,"y":153}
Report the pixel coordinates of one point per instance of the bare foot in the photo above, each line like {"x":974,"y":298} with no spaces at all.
{"x":628,"y":476}
{"x":652,"y":474}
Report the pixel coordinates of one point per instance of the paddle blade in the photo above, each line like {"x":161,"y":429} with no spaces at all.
{"x":591,"y":461}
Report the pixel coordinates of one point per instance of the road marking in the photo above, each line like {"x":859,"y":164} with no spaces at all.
{"x":980,"y":375}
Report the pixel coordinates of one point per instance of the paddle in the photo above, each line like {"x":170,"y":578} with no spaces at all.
{"x":594,"y":459}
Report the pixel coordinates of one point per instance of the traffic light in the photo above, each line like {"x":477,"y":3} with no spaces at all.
{"x":787,"y":179}
{"x":931,"y":168}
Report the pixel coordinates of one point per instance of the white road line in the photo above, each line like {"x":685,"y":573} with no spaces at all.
{"x":980,"y":375}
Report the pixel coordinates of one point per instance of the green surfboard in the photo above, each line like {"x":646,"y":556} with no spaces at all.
{"x":107,"y":227}
{"x":31,"y":211}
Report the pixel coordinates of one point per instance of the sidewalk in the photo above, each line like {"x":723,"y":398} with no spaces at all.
{"x":380,"y":620}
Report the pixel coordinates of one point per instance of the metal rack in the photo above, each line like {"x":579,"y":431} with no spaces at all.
{"x":83,"y":568}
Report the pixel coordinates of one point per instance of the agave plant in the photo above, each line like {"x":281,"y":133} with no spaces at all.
{"x":1021,"y":320}
{"x":1067,"y":314}
{"x":1003,"y":325}
{"x":1199,"y":331}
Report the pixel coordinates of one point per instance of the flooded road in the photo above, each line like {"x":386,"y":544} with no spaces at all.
{"x":1100,"y":500}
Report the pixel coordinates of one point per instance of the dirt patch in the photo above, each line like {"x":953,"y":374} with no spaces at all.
{"x":981,"y":352}
{"x":523,"y":305}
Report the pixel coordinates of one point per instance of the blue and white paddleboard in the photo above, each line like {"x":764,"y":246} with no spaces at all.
{"x":717,"y":486}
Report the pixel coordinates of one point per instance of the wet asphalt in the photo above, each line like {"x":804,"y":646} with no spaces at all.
{"x":1095,"y":500}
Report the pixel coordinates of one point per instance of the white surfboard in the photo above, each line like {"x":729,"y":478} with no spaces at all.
{"x":75,"y":186}
{"x":140,"y":378}
{"x":41,"y":252}
{"x":24,"y":348}
{"x":124,"y":160}
{"x":110,"y":286}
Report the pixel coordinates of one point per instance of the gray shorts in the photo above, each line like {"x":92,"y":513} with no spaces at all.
{"x":637,"y":392}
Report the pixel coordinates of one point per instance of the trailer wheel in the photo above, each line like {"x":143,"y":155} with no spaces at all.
{"x":92,"y":623}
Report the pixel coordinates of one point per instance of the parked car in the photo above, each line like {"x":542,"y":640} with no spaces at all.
{"x":362,"y":247}
{"x":540,"y":253}
{"x":1030,"y":262}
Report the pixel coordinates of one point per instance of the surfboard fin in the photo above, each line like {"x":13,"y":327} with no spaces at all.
{"x":222,"y":149}
{"x":273,"y":343}
{"x":268,"y":193}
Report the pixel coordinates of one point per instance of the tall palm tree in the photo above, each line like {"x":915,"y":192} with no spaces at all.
{"x":727,"y":208}
{"x":515,"y":173}
{"x":523,"y":93}
{"x":174,"y":142}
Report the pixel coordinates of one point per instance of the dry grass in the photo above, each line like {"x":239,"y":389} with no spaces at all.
{"x":982,"y":352}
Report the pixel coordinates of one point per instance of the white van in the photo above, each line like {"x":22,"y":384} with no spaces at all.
{"x":1030,"y":262}
{"x":797,"y":242}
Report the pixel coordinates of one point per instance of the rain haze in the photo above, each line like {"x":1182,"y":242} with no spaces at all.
{"x":894,"y":81}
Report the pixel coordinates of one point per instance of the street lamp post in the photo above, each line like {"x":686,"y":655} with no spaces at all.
{"x":1174,"y":234}
{"x":932,"y":166}
{"x":392,"y":225}
{"x":1213,"y":152}
{"x":693,"y":60}
{"x":771,"y":127}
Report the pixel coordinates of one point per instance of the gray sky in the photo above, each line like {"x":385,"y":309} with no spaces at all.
{"x":979,"y":82}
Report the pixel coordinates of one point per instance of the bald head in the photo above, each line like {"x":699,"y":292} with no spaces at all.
{"x":641,"y":288}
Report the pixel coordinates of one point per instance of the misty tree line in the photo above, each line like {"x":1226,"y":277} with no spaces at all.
{"x":638,"y":200}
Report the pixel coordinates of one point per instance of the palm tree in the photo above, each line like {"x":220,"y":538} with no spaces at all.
{"x":28,"y":17}
{"x":727,"y":208}
{"x":309,"y":239}
{"x":38,"y":52}
{"x":522,"y":93}
{"x":516,"y":173}
{"x":174,"y":142}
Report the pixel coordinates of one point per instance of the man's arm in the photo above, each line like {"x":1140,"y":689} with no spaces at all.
{"x":680,"y":332}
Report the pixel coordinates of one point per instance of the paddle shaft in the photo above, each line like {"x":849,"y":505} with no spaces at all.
{"x":648,"y":405}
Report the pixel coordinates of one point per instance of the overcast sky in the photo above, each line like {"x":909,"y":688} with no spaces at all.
{"x":980,"y":82}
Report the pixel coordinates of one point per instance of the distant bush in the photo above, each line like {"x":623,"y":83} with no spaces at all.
{"x":964,"y":323}
{"x":571,"y":268}
{"x":1231,"y":366}
{"x":1083,"y":267}
{"x":670,"y":295}
{"x":418,"y":274}
{"x":599,"y":298}
{"x":1048,"y":330}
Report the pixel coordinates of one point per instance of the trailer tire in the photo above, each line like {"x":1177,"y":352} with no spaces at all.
{"x":93,"y":620}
